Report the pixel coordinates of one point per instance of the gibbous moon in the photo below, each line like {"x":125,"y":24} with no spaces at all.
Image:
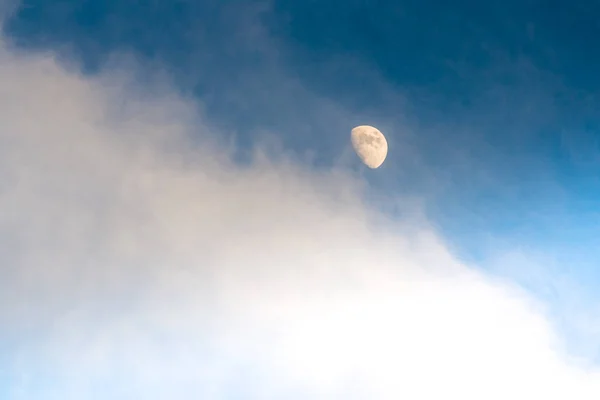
{"x":370,"y":145}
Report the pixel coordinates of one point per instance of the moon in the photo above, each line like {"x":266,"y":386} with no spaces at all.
{"x":370,"y":145}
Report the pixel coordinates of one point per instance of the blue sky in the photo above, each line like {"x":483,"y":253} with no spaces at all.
{"x":490,"y":109}
{"x":499,"y":98}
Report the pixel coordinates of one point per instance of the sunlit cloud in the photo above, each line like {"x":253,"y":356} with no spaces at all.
{"x":139,"y":260}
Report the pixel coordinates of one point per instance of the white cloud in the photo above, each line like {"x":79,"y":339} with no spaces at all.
{"x":139,"y":261}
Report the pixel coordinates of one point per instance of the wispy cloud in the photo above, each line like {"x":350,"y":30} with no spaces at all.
{"x":138,"y":260}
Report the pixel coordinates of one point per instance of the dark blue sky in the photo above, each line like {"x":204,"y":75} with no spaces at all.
{"x":492,"y":105}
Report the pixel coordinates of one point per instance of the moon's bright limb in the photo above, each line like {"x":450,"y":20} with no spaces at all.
{"x":370,"y":145}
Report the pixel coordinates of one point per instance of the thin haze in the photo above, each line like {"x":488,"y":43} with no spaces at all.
{"x":140,"y":261}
